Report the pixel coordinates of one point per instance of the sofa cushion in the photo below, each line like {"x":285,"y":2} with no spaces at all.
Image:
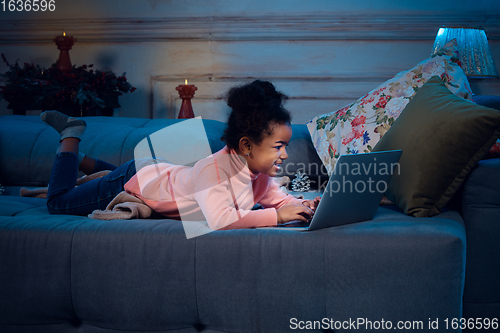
{"x":16,"y":205}
{"x":442,"y":137}
{"x":276,"y":274}
{"x":359,"y":126}
{"x":35,"y":278}
{"x":134,"y":275}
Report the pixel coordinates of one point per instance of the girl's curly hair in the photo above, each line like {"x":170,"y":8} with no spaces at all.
{"x":256,"y":108}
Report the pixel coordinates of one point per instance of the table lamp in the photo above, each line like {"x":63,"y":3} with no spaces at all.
{"x":475,"y":54}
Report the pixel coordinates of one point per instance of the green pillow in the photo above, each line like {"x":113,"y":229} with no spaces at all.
{"x":442,"y":137}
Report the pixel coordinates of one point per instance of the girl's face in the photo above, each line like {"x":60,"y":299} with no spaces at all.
{"x":268,"y":156}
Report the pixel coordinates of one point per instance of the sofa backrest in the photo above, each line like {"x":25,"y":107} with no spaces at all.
{"x":28,"y":145}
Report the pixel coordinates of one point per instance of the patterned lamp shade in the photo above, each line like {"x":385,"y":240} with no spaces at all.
{"x":475,"y":54}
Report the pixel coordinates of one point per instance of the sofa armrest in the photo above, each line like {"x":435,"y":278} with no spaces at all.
{"x":480,"y":207}
{"x":481,"y":188}
{"x":489,"y":101}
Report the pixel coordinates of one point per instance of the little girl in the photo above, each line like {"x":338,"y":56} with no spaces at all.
{"x":221,"y":188}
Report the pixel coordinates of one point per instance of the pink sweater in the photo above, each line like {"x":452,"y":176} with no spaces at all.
{"x":219,"y":189}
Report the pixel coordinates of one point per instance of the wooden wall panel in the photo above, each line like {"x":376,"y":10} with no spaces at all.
{"x":321,"y":59}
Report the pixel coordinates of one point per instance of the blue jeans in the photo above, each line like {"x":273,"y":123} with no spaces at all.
{"x":64,"y":198}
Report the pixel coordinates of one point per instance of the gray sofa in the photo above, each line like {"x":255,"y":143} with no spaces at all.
{"x":74,"y":274}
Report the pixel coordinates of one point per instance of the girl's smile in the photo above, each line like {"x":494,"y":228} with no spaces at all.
{"x":268,"y":156}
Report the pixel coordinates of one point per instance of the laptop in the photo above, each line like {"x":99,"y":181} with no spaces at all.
{"x":355,"y":189}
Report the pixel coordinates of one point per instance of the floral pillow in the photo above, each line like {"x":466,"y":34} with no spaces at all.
{"x":357,"y":127}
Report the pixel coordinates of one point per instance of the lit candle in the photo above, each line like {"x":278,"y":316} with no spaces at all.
{"x":64,"y":44}
{"x":186,"y":92}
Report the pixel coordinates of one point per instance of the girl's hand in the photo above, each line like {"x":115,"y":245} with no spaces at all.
{"x":291,"y":212}
{"x":313,"y":204}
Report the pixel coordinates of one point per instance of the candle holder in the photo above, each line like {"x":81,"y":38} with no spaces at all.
{"x":186,"y":92}
{"x":64,"y":44}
